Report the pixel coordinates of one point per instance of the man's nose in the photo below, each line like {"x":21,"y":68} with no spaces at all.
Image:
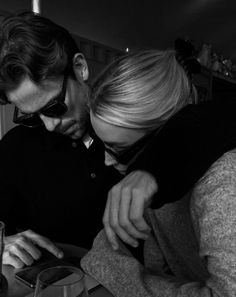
{"x":50,"y":123}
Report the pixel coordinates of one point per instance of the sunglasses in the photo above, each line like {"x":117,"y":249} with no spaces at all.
{"x":55,"y":108}
{"x":127,"y":154}
{"x":3,"y":98}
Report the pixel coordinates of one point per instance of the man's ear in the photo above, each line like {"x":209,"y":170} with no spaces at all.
{"x":80,"y":67}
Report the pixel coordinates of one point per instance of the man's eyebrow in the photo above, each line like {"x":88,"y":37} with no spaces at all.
{"x":24,"y":113}
{"x":55,"y":96}
{"x":50,"y":101}
{"x":113,"y":143}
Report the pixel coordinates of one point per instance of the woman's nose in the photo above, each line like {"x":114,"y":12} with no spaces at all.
{"x":50,"y":123}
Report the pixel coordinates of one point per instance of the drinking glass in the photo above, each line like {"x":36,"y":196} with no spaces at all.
{"x":3,"y":281}
{"x":61,"y":281}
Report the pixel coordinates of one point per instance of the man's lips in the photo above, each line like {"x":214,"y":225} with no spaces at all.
{"x":71,"y":130}
{"x":65,"y":129}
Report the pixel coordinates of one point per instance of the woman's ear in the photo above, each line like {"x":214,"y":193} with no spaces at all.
{"x":80,"y":67}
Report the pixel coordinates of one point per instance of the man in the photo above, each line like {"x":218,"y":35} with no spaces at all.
{"x":53,"y":181}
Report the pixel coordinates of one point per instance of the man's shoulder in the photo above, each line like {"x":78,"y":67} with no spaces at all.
{"x":21,"y":137}
{"x":19,"y":133}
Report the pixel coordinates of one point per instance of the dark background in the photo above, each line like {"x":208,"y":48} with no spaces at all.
{"x":103,"y":27}
{"x":145,"y":23}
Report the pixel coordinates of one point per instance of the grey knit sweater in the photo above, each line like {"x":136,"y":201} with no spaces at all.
{"x":194,"y":239}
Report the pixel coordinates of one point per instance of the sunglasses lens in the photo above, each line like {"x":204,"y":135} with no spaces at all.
{"x":55,"y":110}
{"x":32,"y":121}
{"x":3,"y":99}
{"x":125,"y":156}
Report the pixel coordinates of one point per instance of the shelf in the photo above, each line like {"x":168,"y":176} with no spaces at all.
{"x":223,"y":77}
{"x":213,"y":85}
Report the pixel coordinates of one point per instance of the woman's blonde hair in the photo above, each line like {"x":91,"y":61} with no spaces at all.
{"x":142,"y":90}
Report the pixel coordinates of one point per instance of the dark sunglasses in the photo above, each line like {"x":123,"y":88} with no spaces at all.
{"x":127,"y":154}
{"x":55,"y":108}
{"x":3,"y":98}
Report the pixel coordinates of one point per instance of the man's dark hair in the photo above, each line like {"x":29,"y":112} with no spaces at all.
{"x":33,"y":46}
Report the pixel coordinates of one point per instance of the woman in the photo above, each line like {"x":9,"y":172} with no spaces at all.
{"x":191,"y":249}
{"x":142,"y":109}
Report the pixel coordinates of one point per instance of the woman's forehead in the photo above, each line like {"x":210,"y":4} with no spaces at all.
{"x":113,"y":134}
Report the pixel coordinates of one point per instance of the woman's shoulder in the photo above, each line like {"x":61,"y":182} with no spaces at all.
{"x":207,"y":111}
{"x":215,"y":193}
{"x":223,"y":168}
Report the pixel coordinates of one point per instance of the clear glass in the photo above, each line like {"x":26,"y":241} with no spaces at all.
{"x":61,"y":281}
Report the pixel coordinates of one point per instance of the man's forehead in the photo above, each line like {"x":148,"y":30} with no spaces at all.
{"x":30,"y":97}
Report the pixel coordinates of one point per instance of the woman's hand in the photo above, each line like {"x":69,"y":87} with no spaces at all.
{"x":126,"y":203}
{"x":23,"y":248}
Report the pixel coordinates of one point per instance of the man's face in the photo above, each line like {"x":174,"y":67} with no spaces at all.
{"x":30,"y":98}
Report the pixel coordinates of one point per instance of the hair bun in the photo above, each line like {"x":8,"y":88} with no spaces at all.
{"x":185,"y":56}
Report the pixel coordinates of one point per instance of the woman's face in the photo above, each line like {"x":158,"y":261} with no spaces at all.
{"x":116,"y":139}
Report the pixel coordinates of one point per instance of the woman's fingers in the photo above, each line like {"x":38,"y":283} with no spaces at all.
{"x":126,"y":203}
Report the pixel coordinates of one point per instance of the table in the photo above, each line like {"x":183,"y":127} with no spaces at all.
{"x":18,"y":289}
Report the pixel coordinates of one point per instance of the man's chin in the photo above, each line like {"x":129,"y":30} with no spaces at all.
{"x":74,"y":134}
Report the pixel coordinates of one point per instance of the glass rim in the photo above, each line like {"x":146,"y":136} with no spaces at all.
{"x":75,"y":269}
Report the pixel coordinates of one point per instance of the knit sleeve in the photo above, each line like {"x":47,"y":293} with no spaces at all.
{"x":214,"y":213}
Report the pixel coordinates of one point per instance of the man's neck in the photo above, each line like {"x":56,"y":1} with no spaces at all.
{"x":87,"y":140}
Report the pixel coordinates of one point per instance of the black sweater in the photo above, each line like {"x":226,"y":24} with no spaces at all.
{"x":53,"y":185}
{"x":187,"y":145}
